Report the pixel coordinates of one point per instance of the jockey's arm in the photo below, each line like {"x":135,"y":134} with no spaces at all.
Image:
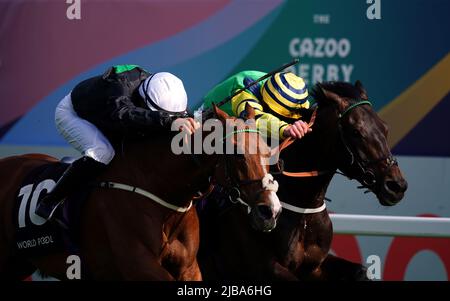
{"x":131,"y":116}
{"x":265,"y":122}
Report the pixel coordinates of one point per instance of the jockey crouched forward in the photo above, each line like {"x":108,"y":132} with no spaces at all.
{"x":126,"y":98}
{"x":278,"y":101}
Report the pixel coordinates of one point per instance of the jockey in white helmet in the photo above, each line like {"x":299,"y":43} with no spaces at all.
{"x":125,"y":100}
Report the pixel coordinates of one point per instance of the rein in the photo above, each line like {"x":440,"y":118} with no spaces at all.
{"x":286,"y":143}
{"x":303,"y":174}
{"x":268,"y":183}
{"x":369,"y":178}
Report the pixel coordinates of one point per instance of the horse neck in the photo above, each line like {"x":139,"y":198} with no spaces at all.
{"x":316,"y":151}
{"x":152,"y":166}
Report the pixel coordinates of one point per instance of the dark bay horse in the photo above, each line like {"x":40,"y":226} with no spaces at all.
{"x":127,"y":234}
{"x":347,"y":135}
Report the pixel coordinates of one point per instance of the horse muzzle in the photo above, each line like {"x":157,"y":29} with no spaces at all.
{"x":392,"y":191}
{"x":264,"y":218}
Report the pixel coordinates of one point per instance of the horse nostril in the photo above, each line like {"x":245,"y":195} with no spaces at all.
{"x":396,"y":186}
{"x":264,"y":211}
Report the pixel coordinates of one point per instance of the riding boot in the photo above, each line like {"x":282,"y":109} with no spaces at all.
{"x":77,"y":175}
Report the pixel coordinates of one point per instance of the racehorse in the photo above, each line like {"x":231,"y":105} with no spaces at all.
{"x":138,"y":222}
{"x":348,"y":135}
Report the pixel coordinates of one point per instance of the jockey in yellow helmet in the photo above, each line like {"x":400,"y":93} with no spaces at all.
{"x":277,"y":101}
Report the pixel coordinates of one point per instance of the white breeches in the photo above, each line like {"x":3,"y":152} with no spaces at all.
{"x":81,"y":134}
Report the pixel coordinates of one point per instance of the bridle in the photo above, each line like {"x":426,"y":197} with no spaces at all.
{"x":234,"y":185}
{"x":368,"y":178}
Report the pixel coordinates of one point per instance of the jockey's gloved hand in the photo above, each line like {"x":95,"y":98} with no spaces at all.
{"x":188,"y":125}
{"x":297,"y":130}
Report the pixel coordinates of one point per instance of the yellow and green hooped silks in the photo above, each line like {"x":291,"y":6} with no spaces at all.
{"x":286,"y":93}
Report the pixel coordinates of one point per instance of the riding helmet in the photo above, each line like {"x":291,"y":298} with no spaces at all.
{"x":285,"y":93}
{"x":164,"y":91}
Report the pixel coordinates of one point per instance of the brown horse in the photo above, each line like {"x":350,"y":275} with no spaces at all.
{"x":127,"y":235}
{"x":347,"y":135}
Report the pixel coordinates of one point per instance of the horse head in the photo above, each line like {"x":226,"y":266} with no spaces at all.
{"x":363,"y":151}
{"x":244,"y":171}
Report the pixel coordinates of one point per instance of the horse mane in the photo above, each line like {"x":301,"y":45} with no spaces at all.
{"x":344,"y":89}
{"x":318,"y":97}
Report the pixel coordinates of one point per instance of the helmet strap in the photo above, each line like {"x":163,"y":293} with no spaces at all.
{"x":150,"y":101}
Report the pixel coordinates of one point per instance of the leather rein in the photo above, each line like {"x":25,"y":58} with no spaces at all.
{"x":368,"y":180}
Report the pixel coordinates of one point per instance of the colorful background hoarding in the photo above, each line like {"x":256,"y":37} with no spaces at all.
{"x":402,"y":58}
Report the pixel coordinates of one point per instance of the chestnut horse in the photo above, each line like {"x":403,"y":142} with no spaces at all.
{"x":347,"y":135}
{"x":125,"y":235}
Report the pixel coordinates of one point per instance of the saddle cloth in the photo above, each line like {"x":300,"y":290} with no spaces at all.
{"x":35,"y":235}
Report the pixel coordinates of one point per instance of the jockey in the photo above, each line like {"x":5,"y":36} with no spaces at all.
{"x":277,"y":101}
{"x":126,"y":99}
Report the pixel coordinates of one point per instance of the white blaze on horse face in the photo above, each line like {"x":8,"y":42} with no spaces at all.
{"x":270,"y":184}
{"x":275,"y":202}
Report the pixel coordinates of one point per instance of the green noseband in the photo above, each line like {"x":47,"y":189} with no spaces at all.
{"x":359,"y":103}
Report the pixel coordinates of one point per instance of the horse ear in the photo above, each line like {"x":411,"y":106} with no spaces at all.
{"x":250,"y":111}
{"x":361,"y":89}
{"x":221,"y":115}
{"x":319,"y":91}
{"x":333,"y":97}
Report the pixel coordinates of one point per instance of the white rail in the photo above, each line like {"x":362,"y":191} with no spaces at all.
{"x":381,"y":225}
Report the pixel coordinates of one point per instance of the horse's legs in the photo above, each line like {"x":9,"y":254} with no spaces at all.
{"x":180,"y":254}
{"x":336,"y":268}
{"x":120,"y":240}
{"x":128,"y":260}
{"x":191,"y":273}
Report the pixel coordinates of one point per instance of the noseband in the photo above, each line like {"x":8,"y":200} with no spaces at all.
{"x":234,"y":185}
{"x":368,"y":178}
